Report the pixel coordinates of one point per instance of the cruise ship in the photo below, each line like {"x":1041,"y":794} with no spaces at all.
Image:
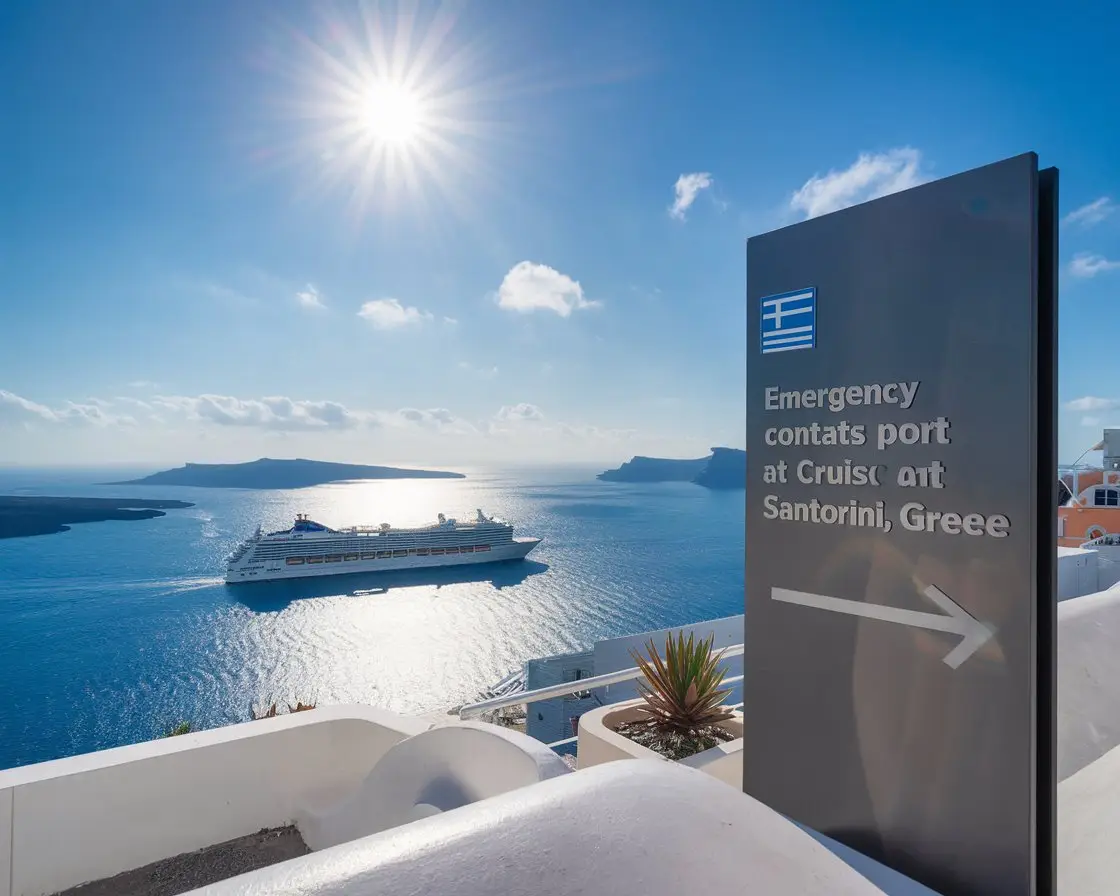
{"x":312,"y":549}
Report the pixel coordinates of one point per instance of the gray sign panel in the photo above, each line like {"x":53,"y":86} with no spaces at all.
{"x":900,"y":552}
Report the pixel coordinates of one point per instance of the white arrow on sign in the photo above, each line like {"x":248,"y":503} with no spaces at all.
{"x":956,"y":619}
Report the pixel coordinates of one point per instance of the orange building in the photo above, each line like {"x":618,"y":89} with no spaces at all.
{"x":1093,"y":508}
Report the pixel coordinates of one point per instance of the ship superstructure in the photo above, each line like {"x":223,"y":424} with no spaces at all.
{"x":310,"y":548}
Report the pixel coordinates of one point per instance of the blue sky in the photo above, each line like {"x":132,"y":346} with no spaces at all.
{"x":206,"y":256}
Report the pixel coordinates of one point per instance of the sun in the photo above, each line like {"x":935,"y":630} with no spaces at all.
{"x":387,"y":109}
{"x":392,"y":113}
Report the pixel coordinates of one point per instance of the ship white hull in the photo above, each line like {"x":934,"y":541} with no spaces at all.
{"x":272,"y":571}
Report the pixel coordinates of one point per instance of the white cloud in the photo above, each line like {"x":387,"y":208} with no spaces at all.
{"x":595,"y":433}
{"x":528,"y":421}
{"x":439,"y":420}
{"x":218,"y":428}
{"x":531,"y":287}
{"x":309,"y":297}
{"x":430,"y":416}
{"x":272,"y":413}
{"x":1091,"y":213}
{"x":686,"y":189}
{"x":16,"y":409}
{"x":520,"y":413}
{"x":871,"y":175}
{"x":275,"y":412}
{"x":1090,"y":404}
{"x":224,"y":293}
{"x":488,"y":372}
{"x":1086,"y":265}
{"x":389,"y":314}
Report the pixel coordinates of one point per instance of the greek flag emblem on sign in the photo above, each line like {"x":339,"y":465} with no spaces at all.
{"x":789,"y":321}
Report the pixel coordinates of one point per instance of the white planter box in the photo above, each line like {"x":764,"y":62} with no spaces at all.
{"x":599,"y":742}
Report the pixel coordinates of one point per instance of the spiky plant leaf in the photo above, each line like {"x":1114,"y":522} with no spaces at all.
{"x":682,"y":690}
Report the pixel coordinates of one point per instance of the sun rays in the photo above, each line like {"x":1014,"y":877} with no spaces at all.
{"x":393,"y":109}
{"x":386,"y":109}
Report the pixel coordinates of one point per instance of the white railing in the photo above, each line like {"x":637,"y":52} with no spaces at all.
{"x":570,"y":688}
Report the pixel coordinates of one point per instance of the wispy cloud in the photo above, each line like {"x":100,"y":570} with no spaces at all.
{"x":283,"y":414}
{"x":1090,"y":214}
{"x":17,"y":409}
{"x":531,"y":287}
{"x":522,"y":418}
{"x":526,"y":420}
{"x":224,"y":293}
{"x":274,"y":412}
{"x":1088,"y":264}
{"x":1091,"y":403}
{"x":520,"y":413}
{"x":439,"y":419}
{"x":390,"y":314}
{"x":685,"y":191}
{"x":488,"y":372}
{"x":310,"y":297}
{"x":871,"y":176}
{"x":179,"y":414}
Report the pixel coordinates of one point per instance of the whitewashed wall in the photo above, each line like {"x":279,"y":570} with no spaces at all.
{"x":549,"y":720}
{"x":120,"y":809}
{"x":1077,"y":572}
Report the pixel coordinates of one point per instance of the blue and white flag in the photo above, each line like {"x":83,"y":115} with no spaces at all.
{"x":789,"y":321}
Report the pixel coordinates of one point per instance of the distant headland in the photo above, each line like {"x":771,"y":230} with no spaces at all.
{"x":656,"y":469}
{"x":25,"y":515}
{"x":268,"y":473}
{"x":724,"y":468}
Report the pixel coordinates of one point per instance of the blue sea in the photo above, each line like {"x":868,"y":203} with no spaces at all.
{"x":113,"y":632}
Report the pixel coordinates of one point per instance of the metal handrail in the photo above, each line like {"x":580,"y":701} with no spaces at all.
{"x":524,"y":698}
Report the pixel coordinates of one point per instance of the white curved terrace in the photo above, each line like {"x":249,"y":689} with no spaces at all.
{"x":120,"y":809}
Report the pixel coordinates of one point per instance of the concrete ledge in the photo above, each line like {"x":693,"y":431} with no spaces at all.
{"x":120,"y":809}
{"x":724,"y":762}
{"x":1088,"y":679}
{"x":1088,"y":819}
{"x":624,"y":828}
{"x":6,"y":842}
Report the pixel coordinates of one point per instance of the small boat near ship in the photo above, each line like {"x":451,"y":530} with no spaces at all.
{"x":310,"y":548}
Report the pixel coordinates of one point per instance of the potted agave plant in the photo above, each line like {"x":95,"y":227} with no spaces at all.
{"x":679,"y":716}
